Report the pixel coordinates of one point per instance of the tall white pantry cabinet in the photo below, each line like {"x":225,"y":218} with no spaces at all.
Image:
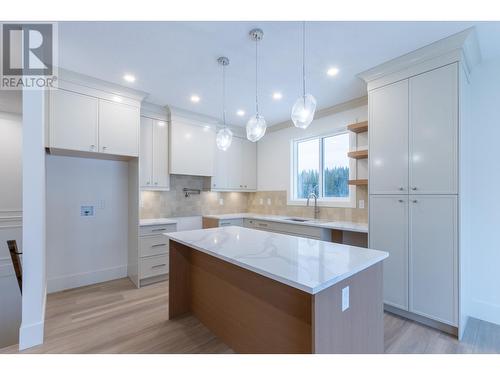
{"x":416,"y":120}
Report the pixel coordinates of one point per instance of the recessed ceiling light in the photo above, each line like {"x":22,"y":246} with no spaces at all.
{"x":277,"y":96}
{"x":195,"y":98}
{"x":332,"y":72}
{"x":161,"y":123}
{"x":240,"y":112}
{"x":129,"y":78}
{"x":117,"y":99}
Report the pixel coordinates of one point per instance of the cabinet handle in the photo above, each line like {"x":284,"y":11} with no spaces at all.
{"x":104,"y":148}
{"x":215,"y":185}
{"x":414,"y":188}
{"x":401,"y":188}
{"x":159,"y":265}
{"x":158,"y":229}
{"x":414,"y":201}
{"x":156,"y":183}
{"x":159,"y":244}
{"x":92,"y":147}
{"x":147,"y":183}
{"x":262,"y":225}
{"x":400,"y":200}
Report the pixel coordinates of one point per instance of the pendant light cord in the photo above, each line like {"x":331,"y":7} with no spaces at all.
{"x":256,"y":78}
{"x":304,"y":60}
{"x":224,"y":94}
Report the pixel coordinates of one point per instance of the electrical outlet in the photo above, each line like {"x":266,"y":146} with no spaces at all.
{"x":269,"y":201}
{"x":345,"y":298}
{"x":361,"y":203}
{"x":261,"y":201}
{"x":86,"y":210}
{"x":102,"y":204}
{"x":221,"y":201}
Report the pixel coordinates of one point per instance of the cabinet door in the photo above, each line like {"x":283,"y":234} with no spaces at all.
{"x":146,"y":153}
{"x":434,"y":131}
{"x":118,"y":128}
{"x":220,"y":178}
{"x":235,"y":163}
{"x":192,"y":150}
{"x":73,"y":121}
{"x":389,"y":232}
{"x":433,"y":257}
{"x":161,"y":178}
{"x":249,"y":165}
{"x":388,"y":139}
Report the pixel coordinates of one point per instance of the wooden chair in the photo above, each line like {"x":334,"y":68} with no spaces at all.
{"x":16,"y":262}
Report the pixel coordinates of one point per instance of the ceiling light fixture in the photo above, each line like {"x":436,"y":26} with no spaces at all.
{"x":277,"y":96}
{"x":195,"y":98}
{"x":240,"y":112}
{"x":224,"y":135}
{"x":256,"y":125}
{"x":129,"y":78}
{"x":305,"y":106}
{"x":332,"y":72}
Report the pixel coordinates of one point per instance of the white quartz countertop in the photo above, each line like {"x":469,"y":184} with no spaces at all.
{"x":339,"y":225}
{"x":306,"y":264}
{"x":160,"y":221}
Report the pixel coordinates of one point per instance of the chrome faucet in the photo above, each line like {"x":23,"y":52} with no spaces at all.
{"x":316,"y":207}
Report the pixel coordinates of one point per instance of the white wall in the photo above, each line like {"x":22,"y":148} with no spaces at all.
{"x":86,"y":250}
{"x":273,"y":151}
{"x":10,"y":221}
{"x":34,"y":275}
{"x":485,"y":177}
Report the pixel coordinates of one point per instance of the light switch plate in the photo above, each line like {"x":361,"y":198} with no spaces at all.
{"x":345,"y":298}
{"x":268,"y":201}
{"x":221,"y":201}
{"x":361,"y":203}
{"x":86,"y":210}
{"x":261,"y":201}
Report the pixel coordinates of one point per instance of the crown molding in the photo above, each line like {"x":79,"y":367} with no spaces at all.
{"x":155,"y":111}
{"x":462,"y":46}
{"x":341,"y":107}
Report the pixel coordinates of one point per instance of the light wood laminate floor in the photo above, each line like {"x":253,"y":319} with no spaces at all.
{"x":115,"y":317}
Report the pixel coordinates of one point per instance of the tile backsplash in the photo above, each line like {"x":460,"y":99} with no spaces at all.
{"x":155,"y":204}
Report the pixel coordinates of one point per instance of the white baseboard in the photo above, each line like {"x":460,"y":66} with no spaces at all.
{"x":486,"y":311}
{"x":59,"y":283}
{"x":31,"y":335}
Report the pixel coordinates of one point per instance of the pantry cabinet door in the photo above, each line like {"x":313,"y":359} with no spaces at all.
{"x":73,"y":121}
{"x":389,"y":232}
{"x":434,"y":131}
{"x":388,"y":139}
{"x":161,"y":177}
{"x":118,"y":128}
{"x":146,"y":153}
{"x":433,"y":257}
{"x":249,"y":165}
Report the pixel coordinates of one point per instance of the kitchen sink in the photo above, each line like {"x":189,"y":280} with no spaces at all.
{"x":298,"y":220}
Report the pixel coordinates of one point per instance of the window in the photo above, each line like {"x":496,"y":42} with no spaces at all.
{"x":321,"y":166}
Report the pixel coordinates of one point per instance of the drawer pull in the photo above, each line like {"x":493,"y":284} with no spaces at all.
{"x":158,"y":245}
{"x":262,"y":225}
{"x":159,"y":265}
{"x":158,"y":230}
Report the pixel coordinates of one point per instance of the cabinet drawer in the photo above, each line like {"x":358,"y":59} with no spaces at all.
{"x":153,"y":266}
{"x":156,"y":229}
{"x":153,"y":245}
{"x":292,"y":229}
{"x":229,"y":222}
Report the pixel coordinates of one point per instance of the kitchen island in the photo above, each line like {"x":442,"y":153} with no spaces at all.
{"x":264,"y":292}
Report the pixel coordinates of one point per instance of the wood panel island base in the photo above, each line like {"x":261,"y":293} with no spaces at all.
{"x":272,"y":293}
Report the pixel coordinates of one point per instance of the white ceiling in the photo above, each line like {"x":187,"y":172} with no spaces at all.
{"x":173,"y":60}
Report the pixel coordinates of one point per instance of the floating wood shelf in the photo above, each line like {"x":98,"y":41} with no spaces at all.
{"x":359,"y":127}
{"x":358,"y":182}
{"x":361,"y":154}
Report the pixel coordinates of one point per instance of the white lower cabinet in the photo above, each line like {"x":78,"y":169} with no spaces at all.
{"x":153,"y":254}
{"x":420,"y":234}
{"x":389,"y":232}
{"x":433,"y":276}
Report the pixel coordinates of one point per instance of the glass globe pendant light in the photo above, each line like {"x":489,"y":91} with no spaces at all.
{"x":224,"y":135}
{"x":256,"y":125}
{"x":305,"y":106}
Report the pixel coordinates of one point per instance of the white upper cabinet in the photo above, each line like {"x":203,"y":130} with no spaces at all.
{"x":73,"y":121}
{"x":153,"y":158}
{"x":192,"y":148}
{"x":389,"y":232}
{"x":118,"y":128}
{"x":236,"y":168}
{"x":434,"y":131}
{"x":388,"y":139}
{"x":146,"y":153}
{"x":433,"y":257}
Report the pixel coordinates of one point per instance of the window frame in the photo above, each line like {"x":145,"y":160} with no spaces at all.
{"x":349,"y":202}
